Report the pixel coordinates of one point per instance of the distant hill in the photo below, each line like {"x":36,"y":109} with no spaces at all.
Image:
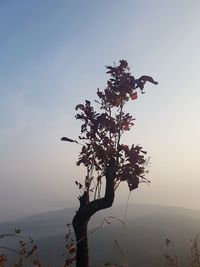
{"x":142,"y":238}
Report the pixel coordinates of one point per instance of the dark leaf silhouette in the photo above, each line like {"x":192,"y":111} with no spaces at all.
{"x":68,"y":140}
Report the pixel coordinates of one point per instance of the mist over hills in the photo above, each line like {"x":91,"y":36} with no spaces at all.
{"x":141,"y":238}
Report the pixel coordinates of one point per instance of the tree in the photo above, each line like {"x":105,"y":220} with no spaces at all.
{"x":103,"y":154}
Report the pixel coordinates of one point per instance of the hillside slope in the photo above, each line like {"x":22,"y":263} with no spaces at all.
{"x":141,"y":239}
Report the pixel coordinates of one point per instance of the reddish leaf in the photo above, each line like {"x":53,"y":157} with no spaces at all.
{"x":133,"y":96}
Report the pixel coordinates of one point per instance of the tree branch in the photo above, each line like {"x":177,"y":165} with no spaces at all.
{"x":107,"y":200}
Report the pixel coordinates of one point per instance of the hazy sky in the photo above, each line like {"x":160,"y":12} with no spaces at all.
{"x":53,"y":56}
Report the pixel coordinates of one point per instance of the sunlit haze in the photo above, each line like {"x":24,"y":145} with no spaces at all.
{"x":53,"y":56}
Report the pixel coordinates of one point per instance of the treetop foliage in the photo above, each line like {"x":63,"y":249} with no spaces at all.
{"x":102,"y":129}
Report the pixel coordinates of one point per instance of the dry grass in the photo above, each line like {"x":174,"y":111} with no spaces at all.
{"x":26,"y":255}
{"x":171,"y":259}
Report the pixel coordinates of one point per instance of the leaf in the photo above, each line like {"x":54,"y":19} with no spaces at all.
{"x":3,"y":259}
{"x":80,"y":185}
{"x":117,"y":101}
{"x":68,"y":140}
{"x":133,"y":183}
{"x":87,"y":103}
{"x":80,"y":106}
{"x":146,"y":78}
{"x":72,"y":249}
{"x":123,"y":63}
{"x":37,"y":263}
{"x":133,"y":96}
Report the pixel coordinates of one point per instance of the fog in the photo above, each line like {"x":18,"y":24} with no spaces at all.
{"x":53,"y":56}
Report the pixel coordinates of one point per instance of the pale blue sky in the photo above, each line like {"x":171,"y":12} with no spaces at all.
{"x":53,"y":56}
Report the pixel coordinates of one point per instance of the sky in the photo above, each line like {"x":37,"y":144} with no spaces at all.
{"x":53,"y":56}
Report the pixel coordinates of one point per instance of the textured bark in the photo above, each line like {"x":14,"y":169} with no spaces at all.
{"x":86,"y":210}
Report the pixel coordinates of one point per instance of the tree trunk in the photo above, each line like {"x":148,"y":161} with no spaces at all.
{"x":86,"y":210}
{"x":80,"y":229}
